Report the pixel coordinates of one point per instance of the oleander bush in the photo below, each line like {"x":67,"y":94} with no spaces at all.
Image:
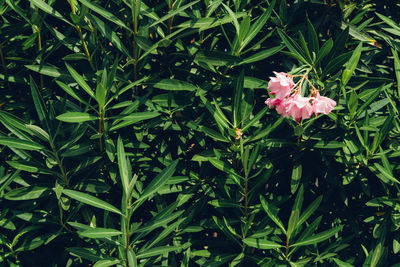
{"x":136,"y":133}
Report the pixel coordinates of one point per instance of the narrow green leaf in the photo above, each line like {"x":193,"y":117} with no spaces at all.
{"x":49,"y":10}
{"x":351,"y":64}
{"x":132,"y":119}
{"x":296,"y":176}
{"x":124,"y":167}
{"x":209,"y":22}
{"x":312,"y":37}
{"x":261,"y":55}
{"x":101,"y":90}
{"x":109,"y":34}
{"x":309,"y":211}
{"x":237,"y":99}
{"x":27,"y":193}
{"x":317,"y":238}
{"x":216,"y":58}
{"x":100,"y":232}
{"x":174,"y":85}
{"x":213,"y":134}
{"x":158,"y":181}
{"x":20,"y":144}
{"x":324,"y":51}
{"x":39,"y":105}
{"x":39,"y":132}
{"x":107,"y":262}
{"x":79,"y":79}
{"x":156,"y":251}
{"x":258,"y":25}
{"x":272,"y":214}
{"x":46,"y":70}
{"x":91,"y":200}
{"x":104,"y":13}
{"x":261,"y":243}
{"x":76,"y":117}
{"x":173,"y":13}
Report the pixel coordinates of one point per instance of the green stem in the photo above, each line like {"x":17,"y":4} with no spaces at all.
{"x":101,"y":128}
{"x":127,"y":238}
{"x":59,"y":163}
{"x":78,"y":28}
{"x":135,"y":33}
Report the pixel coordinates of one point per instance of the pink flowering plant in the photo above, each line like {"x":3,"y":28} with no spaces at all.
{"x":289,"y":102}
{"x":147,"y":133}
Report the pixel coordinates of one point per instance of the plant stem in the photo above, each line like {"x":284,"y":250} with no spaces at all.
{"x":135,"y":33}
{"x":171,"y":18}
{"x":40,"y":57}
{"x":78,"y":28}
{"x":59,"y":163}
{"x":101,"y":127}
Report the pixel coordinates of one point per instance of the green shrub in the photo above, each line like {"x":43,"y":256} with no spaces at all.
{"x":135,"y":133}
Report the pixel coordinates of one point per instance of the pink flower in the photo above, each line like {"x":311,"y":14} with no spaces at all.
{"x":273,"y":102}
{"x":299,"y":107}
{"x":278,"y":104}
{"x":280,"y":85}
{"x":322,"y":104}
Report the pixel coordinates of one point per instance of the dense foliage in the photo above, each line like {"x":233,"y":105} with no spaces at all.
{"x":135,"y":133}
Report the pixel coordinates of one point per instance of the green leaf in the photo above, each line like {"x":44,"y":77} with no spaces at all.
{"x":156,"y":251}
{"x":261,"y":243}
{"x":173,"y":13}
{"x":312,"y":37}
{"x":309,"y":211}
{"x":351,"y":64}
{"x":317,"y":238}
{"x":46,"y":70}
{"x":237,"y":99}
{"x":223,"y":166}
{"x":124,"y":166}
{"x":104,"y":13}
{"x":132,"y":119}
{"x":49,"y":10}
{"x":324,"y":51}
{"x":27,"y":193}
{"x":39,"y":105}
{"x":107,"y":262}
{"x":76,"y":117}
{"x":7,"y":224}
{"x":292,"y":46}
{"x":101,"y":90}
{"x":296,"y":176}
{"x":39,"y":132}
{"x":261,"y":55}
{"x":158,"y":181}
{"x":258,"y":25}
{"x":216,"y":58}
{"x":20,"y":144}
{"x":272,"y":214}
{"x":79,"y":79}
{"x":227,"y":229}
{"x":109,"y":34}
{"x":100,"y":232}
{"x":353,"y":103}
{"x":386,"y":174}
{"x":86,"y":253}
{"x":71,"y":92}
{"x":213,"y":134}
{"x":378,"y":252}
{"x":91,"y":200}
{"x":174,"y":85}
{"x":209,"y":22}
{"x":342,"y":263}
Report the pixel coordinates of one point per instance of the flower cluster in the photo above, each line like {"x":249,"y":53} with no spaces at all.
{"x":288,"y":100}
